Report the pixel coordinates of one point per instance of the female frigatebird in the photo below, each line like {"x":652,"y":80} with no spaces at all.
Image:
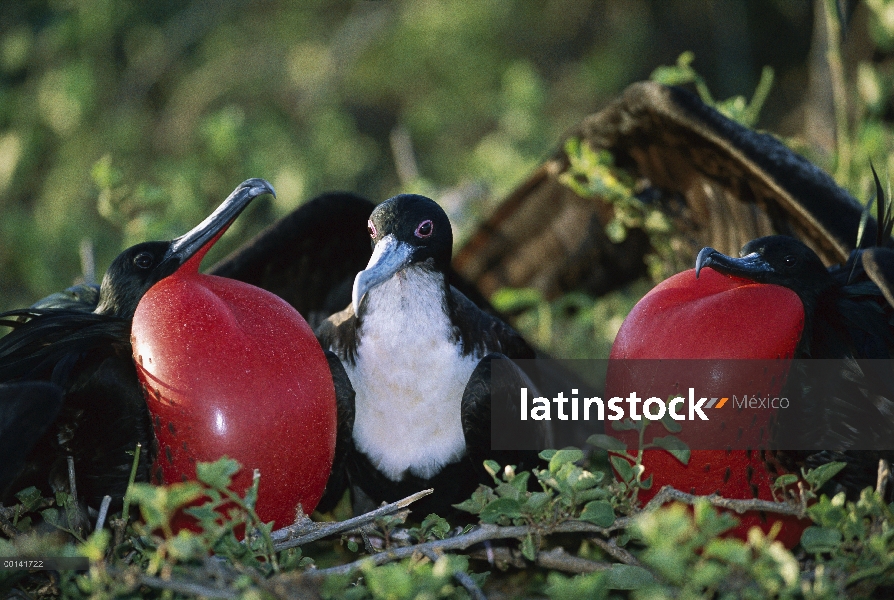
{"x":411,"y":358}
{"x":88,"y":355}
{"x":843,"y":410}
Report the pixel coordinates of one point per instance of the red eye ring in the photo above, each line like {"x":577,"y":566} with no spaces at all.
{"x":425,"y":229}
{"x":371,"y":229}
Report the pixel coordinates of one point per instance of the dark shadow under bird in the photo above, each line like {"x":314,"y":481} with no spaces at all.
{"x":411,"y":359}
{"x":87,"y":355}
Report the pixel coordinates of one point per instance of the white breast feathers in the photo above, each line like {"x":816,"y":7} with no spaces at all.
{"x":409,"y":378}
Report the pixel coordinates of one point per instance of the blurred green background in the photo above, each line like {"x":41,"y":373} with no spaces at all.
{"x":122,"y":121}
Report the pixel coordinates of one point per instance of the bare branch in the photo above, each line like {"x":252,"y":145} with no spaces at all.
{"x":305,"y":530}
{"x":103,"y":511}
{"x":556,"y":559}
{"x":669,"y":494}
{"x":615,"y":551}
{"x":560,"y":560}
{"x":71,"y":479}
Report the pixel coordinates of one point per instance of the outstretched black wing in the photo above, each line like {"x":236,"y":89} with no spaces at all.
{"x":720,"y":184}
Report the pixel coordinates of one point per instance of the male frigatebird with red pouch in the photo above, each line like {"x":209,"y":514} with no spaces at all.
{"x":842,"y":410}
{"x":778,"y":301}
{"x":103,"y":413}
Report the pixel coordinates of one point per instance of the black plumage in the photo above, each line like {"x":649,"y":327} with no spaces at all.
{"x":27,"y":410}
{"x":87,"y":354}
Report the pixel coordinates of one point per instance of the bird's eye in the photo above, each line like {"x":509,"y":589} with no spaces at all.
{"x":143,"y":260}
{"x":790,"y":261}
{"x":425,"y":229}
{"x":371,"y":229}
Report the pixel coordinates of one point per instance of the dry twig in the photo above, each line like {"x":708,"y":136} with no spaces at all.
{"x":305,"y":530}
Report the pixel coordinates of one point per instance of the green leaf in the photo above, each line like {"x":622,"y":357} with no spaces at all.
{"x":819,"y":476}
{"x":536,"y":501}
{"x":625,"y":425}
{"x":475,"y":504}
{"x":582,"y":480}
{"x":785,"y":480}
{"x":218,"y":474}
{"x":520,"y":481}
{"x":506,"y":490}
{"x":589,"y":586}
{"x":561,"y":457}
{"x":628,"y":577}
{"x":51,"y":516}
{"x":670,"y":423}
{"x":675,"y":446}
{"x":820,"y":539}
{"x":503,"y":507}
{"x":623,"y":468}
{"x":513,"y":300}
{"x":607,"y":442}
{"x":528,"y":549}
{"x":205,"y":514}
{"x":728,"y":550}
{"x":352,"y":546}
{"x":388,"y":581}
{"x":186,"y":545}
{"x":599,"y":513}
{"x":181,"y":494}
{"x":493,"y":468}
{"x":29,"y":497}
{"x":828,"y":513}
{"x":435,"y":526}
{"x":547,"y":454}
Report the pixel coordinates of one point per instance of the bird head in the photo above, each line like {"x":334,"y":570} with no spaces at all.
{"x":405,"y":230}
{"x":775,"y":259}
{"x":140,"y":267}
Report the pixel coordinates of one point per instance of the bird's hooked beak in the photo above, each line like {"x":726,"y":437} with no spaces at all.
{"x":389,"y":257}
{"x":193,"y":245}
{"x":748,"y":266}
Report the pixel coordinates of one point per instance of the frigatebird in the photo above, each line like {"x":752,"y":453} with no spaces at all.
{"x":88,"y":355}
{"x":843,"y":409}
{"x":411,"y":359}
